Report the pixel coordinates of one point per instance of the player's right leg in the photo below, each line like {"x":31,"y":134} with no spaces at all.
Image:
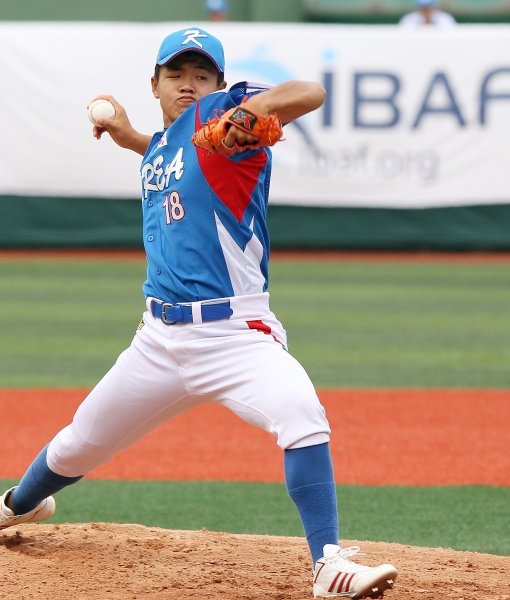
{"x":141,"y":391}
{"x":43,"y":510}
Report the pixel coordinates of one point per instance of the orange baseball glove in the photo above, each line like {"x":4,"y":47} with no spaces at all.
{"x":267,"y":130}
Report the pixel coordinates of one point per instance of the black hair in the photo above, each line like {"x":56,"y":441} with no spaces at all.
{"x":221,"y":76}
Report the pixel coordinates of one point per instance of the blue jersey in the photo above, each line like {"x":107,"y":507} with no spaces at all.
{"x":204,"y":215}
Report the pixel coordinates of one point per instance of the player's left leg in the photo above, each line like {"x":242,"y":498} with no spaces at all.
{"x":263,"y":384}
{"x":274,"y":392}
{"x":310,"y":484}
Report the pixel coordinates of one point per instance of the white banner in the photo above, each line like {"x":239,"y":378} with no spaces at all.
{"x":412,"y":119}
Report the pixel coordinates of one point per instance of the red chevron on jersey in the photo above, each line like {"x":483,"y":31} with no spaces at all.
{"x":233,"y":188}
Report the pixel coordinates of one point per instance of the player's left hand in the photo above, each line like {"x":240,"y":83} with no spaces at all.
{"x":238,"y":137}
{"x":238,"y":129}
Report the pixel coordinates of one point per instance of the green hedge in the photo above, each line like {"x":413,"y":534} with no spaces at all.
{"x":102,"y":223}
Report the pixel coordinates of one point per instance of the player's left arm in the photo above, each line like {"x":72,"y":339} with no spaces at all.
{"x":288,"y":101}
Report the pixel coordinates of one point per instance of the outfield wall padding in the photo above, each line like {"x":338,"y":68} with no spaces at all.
{"x":30,"y":222}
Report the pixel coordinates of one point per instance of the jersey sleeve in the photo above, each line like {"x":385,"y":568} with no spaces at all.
{"x":224,"y":100}
{"x":245,"y":89}
{"x":155,"y":140}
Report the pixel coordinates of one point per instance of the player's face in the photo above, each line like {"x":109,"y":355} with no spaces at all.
{"x":182,"y":82}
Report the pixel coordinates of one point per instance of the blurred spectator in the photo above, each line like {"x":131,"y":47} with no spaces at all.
{"x":427,"y":14}
{"x":217,"y":10}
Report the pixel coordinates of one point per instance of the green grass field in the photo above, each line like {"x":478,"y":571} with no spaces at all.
{"x":473,"y":518}
{"x":352,"y":325}
{"x":358,"y":324}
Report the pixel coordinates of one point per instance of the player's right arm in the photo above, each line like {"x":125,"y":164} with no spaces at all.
{"x":120,"y":129}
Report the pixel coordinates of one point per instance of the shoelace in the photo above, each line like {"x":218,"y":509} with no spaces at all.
{"x":350,"y":551}
{"x":341,"y":560}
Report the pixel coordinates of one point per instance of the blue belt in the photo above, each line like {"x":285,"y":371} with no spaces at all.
{"x":182,"y":313}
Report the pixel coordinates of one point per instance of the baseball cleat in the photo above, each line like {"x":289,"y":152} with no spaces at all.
{"x":336,"y":575}
{"x":44,"y":510}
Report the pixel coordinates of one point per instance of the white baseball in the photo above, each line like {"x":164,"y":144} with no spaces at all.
{"x":100,"y":109}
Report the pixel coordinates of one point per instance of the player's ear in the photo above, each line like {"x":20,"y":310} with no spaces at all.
{"x":155,"y":87}
{"x":223,"y":85}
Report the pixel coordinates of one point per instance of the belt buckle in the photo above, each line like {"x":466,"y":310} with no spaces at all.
{"x":164,"y":318}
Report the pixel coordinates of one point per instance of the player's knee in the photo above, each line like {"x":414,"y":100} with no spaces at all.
{"x":288,"y":441}
{"x":302,"y":426}
{"x":71,"y":456}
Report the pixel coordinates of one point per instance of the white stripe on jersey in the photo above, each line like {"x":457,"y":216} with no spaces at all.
{"x":243,"y":267}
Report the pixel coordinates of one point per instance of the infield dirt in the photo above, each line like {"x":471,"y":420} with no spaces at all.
{"x":98,"y":561}
{"x":419,"y":439}
{"x":380,"y":437}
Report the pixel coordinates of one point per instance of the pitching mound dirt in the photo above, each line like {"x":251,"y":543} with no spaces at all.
{"x":127,"y":562}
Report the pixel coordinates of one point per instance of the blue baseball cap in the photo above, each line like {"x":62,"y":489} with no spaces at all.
{"x":192,"y":39}
{"x":425,"y":3}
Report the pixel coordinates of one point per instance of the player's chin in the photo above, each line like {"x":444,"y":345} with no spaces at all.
{"x":184,"y":104}
{"x":176,"y":112}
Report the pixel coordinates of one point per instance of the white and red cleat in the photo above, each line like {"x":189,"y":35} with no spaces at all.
{"x":44,"y":510}
{"x":336,"y":575}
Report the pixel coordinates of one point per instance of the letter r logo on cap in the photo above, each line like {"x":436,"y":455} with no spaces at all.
{"x":192,"y":35}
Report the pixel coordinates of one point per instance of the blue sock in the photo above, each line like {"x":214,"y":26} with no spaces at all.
{"x":311,"y":485}
{"x":38,"y":483}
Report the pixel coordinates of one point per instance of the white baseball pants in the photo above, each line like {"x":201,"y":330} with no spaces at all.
{"x":240,"y":363}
